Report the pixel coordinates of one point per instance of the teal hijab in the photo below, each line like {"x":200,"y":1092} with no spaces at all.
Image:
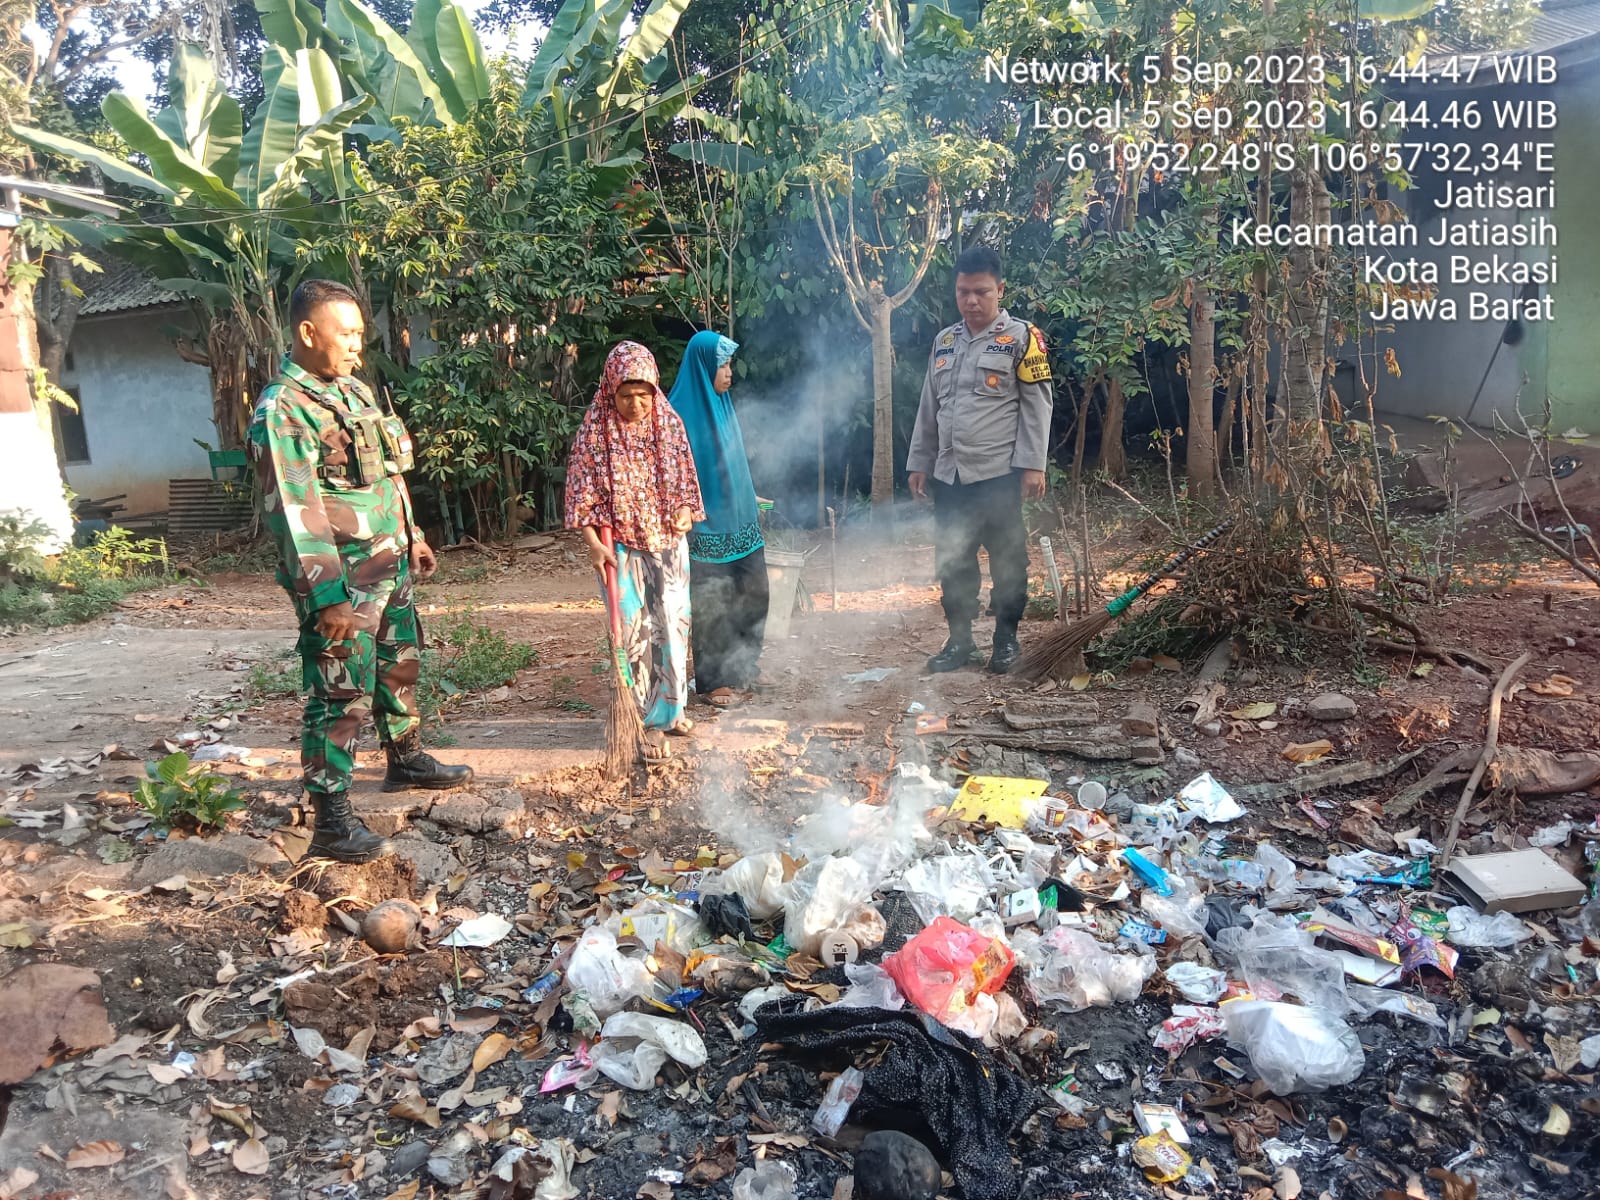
{"x":730,"y":530}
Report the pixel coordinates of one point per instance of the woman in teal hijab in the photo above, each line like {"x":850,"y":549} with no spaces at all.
{"x":727,"y":566}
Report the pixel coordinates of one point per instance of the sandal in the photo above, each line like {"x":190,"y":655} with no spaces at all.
{"x":682,"y":727}
{"x":655,"y":749}
{"x":722,"y":697}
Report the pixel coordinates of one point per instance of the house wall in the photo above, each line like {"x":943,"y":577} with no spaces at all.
{"x":1443,"y":363}
{"x":1573,"y":378}
{"x":142,"y":406}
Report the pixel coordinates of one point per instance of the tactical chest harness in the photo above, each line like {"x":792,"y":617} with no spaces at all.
{"x":379,"y":444}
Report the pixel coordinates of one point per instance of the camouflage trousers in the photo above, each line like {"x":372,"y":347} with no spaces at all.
{"x":374,"y":673}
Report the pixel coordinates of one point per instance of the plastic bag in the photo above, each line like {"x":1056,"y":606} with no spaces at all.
{"x":870,"y":987}
{"x":1468,"y":927}
{"x":865,"y":927}
{"x":603,"y":973}
{"x":952,"y":885}
{"x":946,"y":967}
{"x":820,"y":898}
{"x":769,"y":1179}
{"x":635,"y":1045}
{"x":652,"y":921}
{"x":897,"y":833}
{"x":1197,"y":984}
{"x":835,"y":1107}
{"x":1294,"y":1048}
{"x":1182,"y":914}
{"x":1276,"y":952}
{"x":756,"y":877}
{"x":1068,"y":967}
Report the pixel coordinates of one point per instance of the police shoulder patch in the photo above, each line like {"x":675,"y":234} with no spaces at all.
{"x":1035,"y":365}
{"x":947,"y":339}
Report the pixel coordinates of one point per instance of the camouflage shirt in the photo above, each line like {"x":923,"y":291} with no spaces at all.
{"x":332,"y":495}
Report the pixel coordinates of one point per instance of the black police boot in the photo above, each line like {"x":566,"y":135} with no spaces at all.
{"x":957,"y":652}
{"x":410,"y":766}
{"x":1006,"y":649}
{"x":340,"y":836}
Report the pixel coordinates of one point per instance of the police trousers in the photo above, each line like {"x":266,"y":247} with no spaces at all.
{"x":968,"y":516}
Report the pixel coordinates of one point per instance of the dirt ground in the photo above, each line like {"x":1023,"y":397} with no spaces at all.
{"x":193,"y":939}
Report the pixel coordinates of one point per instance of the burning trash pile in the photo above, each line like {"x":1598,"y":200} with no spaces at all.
{"x":935,"y":958}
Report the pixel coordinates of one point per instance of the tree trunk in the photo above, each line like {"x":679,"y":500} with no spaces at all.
{"x":1202,"y":461}
{"x":1113,"y":458}
{"x":882,"y":400}
{"x":1230,"y":407}
{"x":55,"y":331}
{"x":1081,"y":428}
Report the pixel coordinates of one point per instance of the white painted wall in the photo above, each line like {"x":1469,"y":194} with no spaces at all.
{"x":143,"y":406}
{"x":30,"y":485}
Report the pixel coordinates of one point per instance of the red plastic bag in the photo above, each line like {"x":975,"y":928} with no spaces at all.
{"x":945,"y":967}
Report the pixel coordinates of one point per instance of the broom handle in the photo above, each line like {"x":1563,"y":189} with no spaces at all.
{"x":1120,"y":605}
{"x":608,"y":577}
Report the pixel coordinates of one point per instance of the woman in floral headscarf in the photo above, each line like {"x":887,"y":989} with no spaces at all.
{"x":728,"y":567}
{"x":631,"y":471}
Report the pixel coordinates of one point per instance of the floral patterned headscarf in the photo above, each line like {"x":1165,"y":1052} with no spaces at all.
{"x":631,"y":477}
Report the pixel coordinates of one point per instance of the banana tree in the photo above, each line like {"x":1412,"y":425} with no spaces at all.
{"x":597,"y":86}
{"x":238,"y":213}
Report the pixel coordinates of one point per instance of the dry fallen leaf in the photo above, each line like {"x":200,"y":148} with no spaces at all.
{"x":1556,"y":685}
{"x":1558,"y":1123}
{"x":1166,"y":662}
{"x":490,"y":1051}
{"x":95,"y":1154}
{"x":1254,"y":712}
{"x":609,"y":1107}
{"x":654,"y":1190}
{"x":411,"y":1106}
{"x":1079,"y":681}
{"x":1423,"y":669}
{"x":1304,"y":752}
{"x":19,"y":1181}
{"x":250,"y":1158}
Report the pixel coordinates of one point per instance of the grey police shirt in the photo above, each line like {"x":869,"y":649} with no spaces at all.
{"x":986,"y":401}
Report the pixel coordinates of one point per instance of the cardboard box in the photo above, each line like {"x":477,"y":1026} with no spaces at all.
{"x":1516,"y":881}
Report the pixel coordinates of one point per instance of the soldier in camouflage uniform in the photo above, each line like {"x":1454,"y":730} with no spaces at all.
{"x":331,"y":463}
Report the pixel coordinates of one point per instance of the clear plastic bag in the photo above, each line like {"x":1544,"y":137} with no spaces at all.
{"x":769,"y":1179}
{"x":655,"y":920}
{"x":1276,"y":952}
{"x":957,"y":886}
{"x":634,"y":1047}
{"x":1182,"y":914}
{"x":1069,"y":968}
{"x":1468,"y":927}
{"x":820,"y":898}
{"x":758,"y":878}
{"x":870,"y":987}
{"x":1294,"y":1048}
{"x":603,"y":973}
{"x":1197,"y":984}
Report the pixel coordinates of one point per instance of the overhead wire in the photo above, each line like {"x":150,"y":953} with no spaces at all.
{"x":223,"y":217}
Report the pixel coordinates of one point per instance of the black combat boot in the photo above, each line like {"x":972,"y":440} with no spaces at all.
{"x":340,"y":836}
{"x":1006,"y":649}
{"x":410,"y":766}
{"x":957,"y":652}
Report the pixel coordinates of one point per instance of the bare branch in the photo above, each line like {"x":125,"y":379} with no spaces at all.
{"x":929,"y":245}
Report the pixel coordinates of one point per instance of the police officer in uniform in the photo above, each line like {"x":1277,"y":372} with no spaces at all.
{"x":331,"y":467}
{"x":983,"y":435}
